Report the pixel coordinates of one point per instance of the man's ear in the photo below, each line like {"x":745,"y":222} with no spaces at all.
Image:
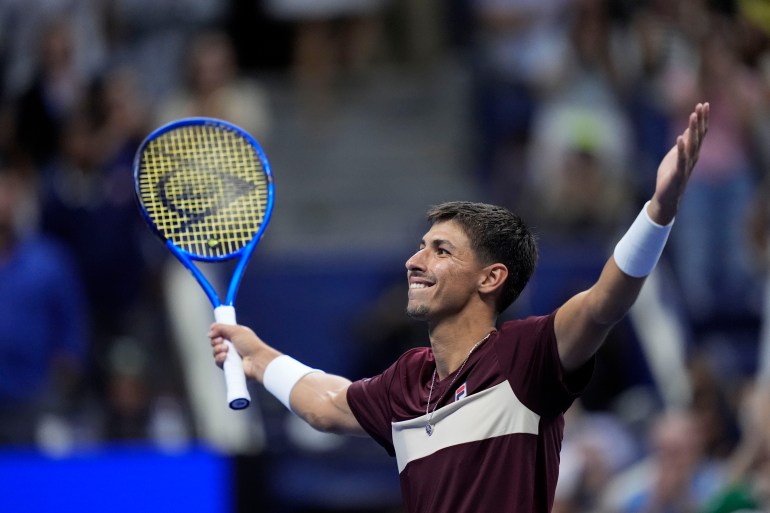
{"x":492,"y":279}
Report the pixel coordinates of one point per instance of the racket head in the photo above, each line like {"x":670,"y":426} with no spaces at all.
{"x":204,"y":186}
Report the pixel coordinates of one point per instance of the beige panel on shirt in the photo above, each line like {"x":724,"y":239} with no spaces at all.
{"x":481,"y":416}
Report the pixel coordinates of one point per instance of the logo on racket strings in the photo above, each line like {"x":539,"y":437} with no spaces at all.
{"x":195,"y":200}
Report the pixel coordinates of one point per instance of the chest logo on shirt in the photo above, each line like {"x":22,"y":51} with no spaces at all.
{"x":461,"y":391}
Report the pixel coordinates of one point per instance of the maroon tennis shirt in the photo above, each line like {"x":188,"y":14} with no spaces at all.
{"x":496,"y":433}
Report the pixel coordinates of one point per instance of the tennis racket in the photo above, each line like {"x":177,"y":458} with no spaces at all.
{"x":205,"y":188}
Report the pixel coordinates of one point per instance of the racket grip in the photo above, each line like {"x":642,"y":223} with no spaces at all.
{"x":238,"y":396}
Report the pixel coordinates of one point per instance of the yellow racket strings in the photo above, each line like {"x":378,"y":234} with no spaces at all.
{"x":205,"y":189}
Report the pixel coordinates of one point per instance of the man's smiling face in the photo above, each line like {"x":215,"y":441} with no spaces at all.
{"x":443,"y":275}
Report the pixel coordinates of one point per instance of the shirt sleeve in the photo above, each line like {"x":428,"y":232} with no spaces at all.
{"x":379,"y":401}
{"x":369,"y":400}
{"x":529,"y":358}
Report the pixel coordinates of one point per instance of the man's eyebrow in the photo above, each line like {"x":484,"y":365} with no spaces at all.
{"x":438,"y":242}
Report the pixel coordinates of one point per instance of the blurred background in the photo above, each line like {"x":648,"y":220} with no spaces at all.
{"x":370,"y":111}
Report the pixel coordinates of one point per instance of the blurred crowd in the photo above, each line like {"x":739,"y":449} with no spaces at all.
{"x":573,"y":102}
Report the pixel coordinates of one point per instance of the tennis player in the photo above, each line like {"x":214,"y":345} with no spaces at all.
{"x":475,"y":421}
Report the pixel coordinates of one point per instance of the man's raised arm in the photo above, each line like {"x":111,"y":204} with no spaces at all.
{"x":584,"y":321}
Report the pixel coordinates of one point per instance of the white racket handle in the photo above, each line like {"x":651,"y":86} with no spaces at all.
{"x":238,"y":396}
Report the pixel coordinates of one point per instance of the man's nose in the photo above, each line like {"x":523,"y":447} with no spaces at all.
{"x":416,"y":261}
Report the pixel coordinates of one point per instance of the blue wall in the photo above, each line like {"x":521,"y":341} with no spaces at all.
{"x":125,"y":479}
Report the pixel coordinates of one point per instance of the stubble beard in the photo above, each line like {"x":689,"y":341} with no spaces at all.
{"x":418,"y":313}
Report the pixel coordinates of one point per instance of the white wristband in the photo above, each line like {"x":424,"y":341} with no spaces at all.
{"x":282,"y":374}
{"x":637,"y":253}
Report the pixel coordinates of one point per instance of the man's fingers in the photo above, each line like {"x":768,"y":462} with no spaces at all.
{"x":681,"y":153}
{"x":703,"y":118}
{"x":221,"y":331}
{"x":701,"y":124}
{"x":694,"y":133}
{"x":220,"y":352}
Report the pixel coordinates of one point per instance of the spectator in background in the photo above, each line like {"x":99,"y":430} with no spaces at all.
{"x":747,"y":486}
{"x":516,"y":50}
{"x":121,"y":117}
{"x":216,"y":87}
{"x":596,"y":447}
{"x":94,"y":214}
{"x":655,"y":43}
{"x":581,"y":199}
{"x":710,"y":253}
{"x":152,"y":37}
{"x":136,"y":408}
{"x":712,"y":405}
{"x":40,"y":289}
{"x":675,"y":477}
{"x":580,"y":153}
{"x":25,"y":21}
{"x":55,"y":92}
{"x":334,"y":39}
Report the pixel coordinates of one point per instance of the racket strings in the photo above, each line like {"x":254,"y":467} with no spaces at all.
{"x":205,"y":189}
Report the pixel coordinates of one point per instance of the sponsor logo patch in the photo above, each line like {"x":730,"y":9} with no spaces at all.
{"x":461,"y":392}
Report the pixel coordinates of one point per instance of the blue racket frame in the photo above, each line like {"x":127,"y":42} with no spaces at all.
{"x":185,"y":257}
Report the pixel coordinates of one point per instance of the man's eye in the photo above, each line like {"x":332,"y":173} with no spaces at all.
{"x":442,"y":251}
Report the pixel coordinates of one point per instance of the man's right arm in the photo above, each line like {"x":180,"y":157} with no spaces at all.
{"x":318,"y":398}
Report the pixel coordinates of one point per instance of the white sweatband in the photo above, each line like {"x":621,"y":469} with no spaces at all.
{"x":637,"y":253}
{"x":282,"y":374}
